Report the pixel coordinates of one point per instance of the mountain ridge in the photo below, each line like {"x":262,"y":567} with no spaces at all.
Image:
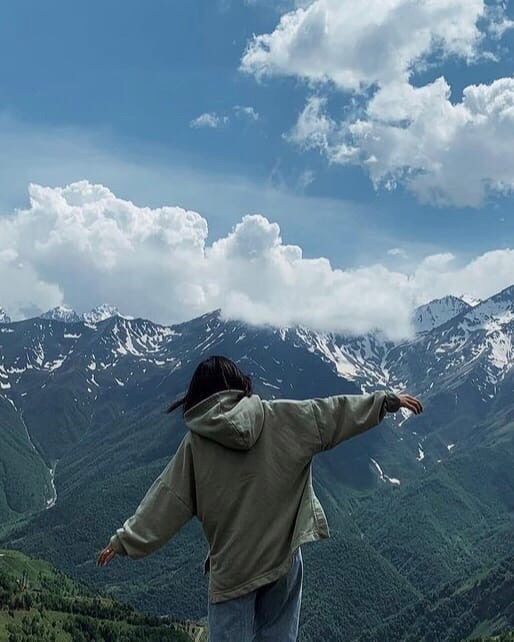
{"x":93,"y":397}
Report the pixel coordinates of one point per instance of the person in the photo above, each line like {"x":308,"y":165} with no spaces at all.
{"x":244,"y":470}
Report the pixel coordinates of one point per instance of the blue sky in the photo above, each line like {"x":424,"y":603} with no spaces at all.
{"x":107,"y":92}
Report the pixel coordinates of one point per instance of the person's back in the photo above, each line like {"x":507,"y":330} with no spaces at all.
{"x":252,"y":475}
{"x":244,"y":469}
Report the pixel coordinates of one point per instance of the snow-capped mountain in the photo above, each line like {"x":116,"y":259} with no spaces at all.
{"x":121,"y":358}
{"x":67,"y":315}
{"x":100,"y":313}
{"x":472,"y":353}
{"x":64,"y":375}
{"x":436,"y":312}
{"x":61,"y":313}
{"x":357,"y":358}
{"x":470,"y":299}
{"x":4,"y":317}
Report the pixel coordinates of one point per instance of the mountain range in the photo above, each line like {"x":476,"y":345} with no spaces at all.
{"x":420,"y":509}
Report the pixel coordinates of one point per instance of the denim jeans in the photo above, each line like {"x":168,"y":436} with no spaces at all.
{"x":269,"y":614}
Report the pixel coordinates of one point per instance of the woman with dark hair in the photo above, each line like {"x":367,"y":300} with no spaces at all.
{"x":244,"y":470}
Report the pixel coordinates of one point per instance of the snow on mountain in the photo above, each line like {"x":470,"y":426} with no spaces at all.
{"x":475,"y":348}
{"x":4,"y":317}
{"x":470,"y":299}
{"x":496,"y":311}
{"x":455,"y":342}
{"x":434,"y":313}
{"x":100,"y":313}
{"x":61,"y":313}
{"x":383,"y":476}
{"x":357,"y":358}
{"x":461,"y":363}
{"x":67,"y":315}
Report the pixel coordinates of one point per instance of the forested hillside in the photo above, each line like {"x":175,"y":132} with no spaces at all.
{"x":40,"y":603}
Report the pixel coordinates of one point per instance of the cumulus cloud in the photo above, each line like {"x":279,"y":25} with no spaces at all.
{"x":210,"y":120}
{"x":440,"y":274}
{"x":356,"y":45}
{"x":447,"y":152}
{"x":81,"y":244}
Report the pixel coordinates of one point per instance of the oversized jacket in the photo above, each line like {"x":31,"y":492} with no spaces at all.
{"x":244,"y":470}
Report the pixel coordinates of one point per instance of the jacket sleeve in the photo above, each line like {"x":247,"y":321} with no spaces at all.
{"x":167,"y":506}
{"x":340,"y":417}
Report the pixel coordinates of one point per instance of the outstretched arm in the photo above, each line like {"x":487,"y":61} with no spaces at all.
{"x":340,"y":417}
{"x":321,"y":423}
{"x":167,"y":506}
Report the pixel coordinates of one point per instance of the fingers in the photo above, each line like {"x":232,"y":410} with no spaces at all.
{"x":105,"y":556}
{"x":412,"y":404}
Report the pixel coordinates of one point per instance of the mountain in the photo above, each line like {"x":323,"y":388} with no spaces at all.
{"x":100,"y":313}
{"x":4,"y":317}
{"x":485,"y":599}
{"x":465,"y":362}
{"x":417,"y":508}
{"x":67,"y":315}
{"x":37,"y":602}
{"x":435,"y":313}
{"x":61,"y":313}
{"x":470,"y":299}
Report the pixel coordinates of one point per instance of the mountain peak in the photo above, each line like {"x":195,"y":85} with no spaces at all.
{"x":470,"y":299}
{"x":67,"y":315}
{"x":61,"y":313}
{"x":430,"y":315}
{"x":100,"y":313}
{"x":498,"y":308}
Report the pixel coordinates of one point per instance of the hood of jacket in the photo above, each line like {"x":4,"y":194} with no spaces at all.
{"x":228,"y":417}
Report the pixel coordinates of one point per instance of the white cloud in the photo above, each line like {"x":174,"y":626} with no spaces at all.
{"x":247,"y":112}
{"x":446,"y":153}
{"x":358,"y":44}
{"x":213,"y":120}
{"x":22,"y":292}
{"x":483,"y":276}
{"x":397,"y":251}
{"x":210,"y":120}
{"x":306,"y":178}
{"x":499,"y":23}
{"x":81,"y":244}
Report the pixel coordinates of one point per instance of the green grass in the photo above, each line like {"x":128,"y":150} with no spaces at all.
{"x":38,"y":602}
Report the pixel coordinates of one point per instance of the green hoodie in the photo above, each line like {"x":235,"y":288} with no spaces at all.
{"x":244,"y":470}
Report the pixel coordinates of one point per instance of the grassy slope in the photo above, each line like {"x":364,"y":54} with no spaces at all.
{"x":39,"y":602}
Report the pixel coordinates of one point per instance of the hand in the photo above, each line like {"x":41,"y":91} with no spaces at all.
{"x":106,"y":556}
{"x":411,"y":403}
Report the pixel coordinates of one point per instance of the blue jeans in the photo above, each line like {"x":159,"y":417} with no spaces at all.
{"x":269,"y":614}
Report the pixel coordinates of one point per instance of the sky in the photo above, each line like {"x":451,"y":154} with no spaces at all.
{"x":332,"y":163}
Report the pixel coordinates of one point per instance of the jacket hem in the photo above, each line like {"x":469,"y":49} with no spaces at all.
{"x":269,"y":576}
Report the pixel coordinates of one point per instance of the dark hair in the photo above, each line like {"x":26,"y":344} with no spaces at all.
{"x":212,"y":375}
